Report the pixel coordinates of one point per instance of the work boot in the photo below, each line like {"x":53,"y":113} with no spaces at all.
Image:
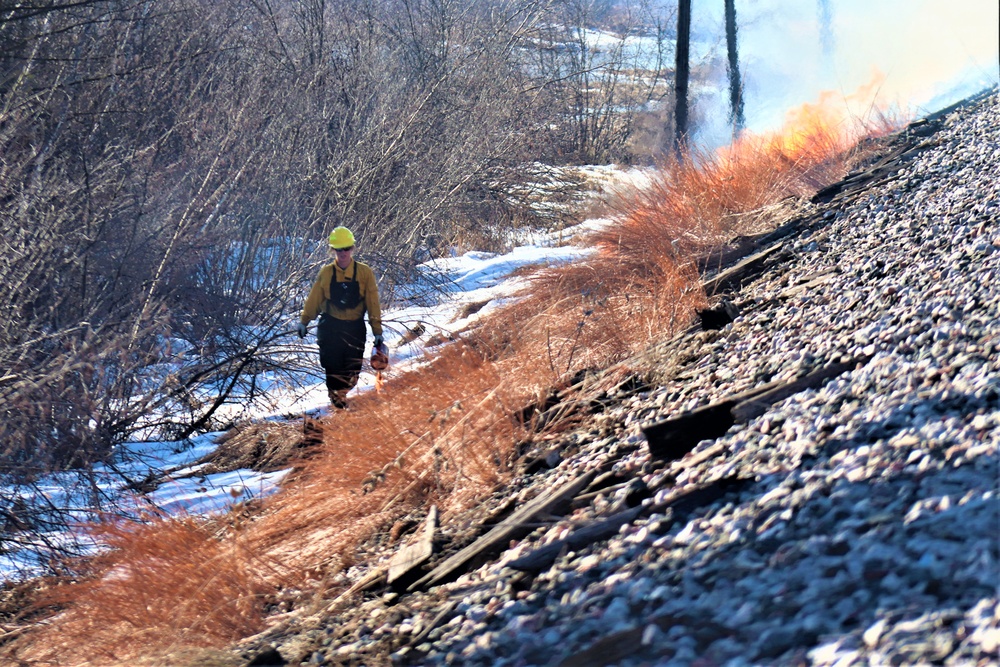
{"x":338,"y":399}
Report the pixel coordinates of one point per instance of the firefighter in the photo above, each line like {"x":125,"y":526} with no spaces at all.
{"x":343,"y":292}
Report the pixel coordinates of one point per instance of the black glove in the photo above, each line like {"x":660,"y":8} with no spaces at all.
{"x":302,"y":330}
{"x":378,"y":341}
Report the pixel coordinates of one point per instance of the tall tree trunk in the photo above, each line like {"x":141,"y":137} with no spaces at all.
{"x":681,"y":78}
{"x":736,"y":116}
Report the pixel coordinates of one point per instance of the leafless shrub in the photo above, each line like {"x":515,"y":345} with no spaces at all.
{"x":163,"y":164}
{"x":602,"y":91}
{"x":169,"y":170}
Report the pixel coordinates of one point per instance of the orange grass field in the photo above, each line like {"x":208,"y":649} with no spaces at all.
{"x":446,"y":434}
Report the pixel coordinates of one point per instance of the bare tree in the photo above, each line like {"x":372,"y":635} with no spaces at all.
{"x":117,"y":183}
{"x":604,"y":66}
{"x":170,"y":170}
{"x":736,"y":116}
{"x":164,"y":164}
{"x":681,"y":76}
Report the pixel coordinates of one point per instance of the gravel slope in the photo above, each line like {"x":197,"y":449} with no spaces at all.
{"x":853,"y":524}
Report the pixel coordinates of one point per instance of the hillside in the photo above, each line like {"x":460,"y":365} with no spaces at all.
{"x":814,"y":483}
{"x":808,"y":476}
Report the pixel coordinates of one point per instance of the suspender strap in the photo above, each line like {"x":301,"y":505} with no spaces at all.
{"x":348,"y":294}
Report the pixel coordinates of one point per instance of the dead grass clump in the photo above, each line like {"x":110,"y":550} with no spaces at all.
{"x":693,"y":206}
{"x":443,"y":435}
{"x":265,"y":446}
{"x":645,"y":282}
{"x":586,"y":315}
{"x":162,"y":585}
{"x":470,"y":309}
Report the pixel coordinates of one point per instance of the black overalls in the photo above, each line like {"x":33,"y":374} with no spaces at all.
{"x":341,"y":342}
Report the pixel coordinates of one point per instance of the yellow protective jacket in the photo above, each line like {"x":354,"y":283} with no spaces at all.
{"x":318,"y":300}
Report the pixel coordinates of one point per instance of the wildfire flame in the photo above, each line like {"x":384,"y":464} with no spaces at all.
{"x":815,"y":131}
{"x":834,"y":117}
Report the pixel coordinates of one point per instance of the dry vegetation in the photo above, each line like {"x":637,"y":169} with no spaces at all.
{"x":170,"y":169}
{"x":447,"y":434}
{"x":701,"y":204}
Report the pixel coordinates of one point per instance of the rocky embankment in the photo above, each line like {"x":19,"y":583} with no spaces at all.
{"x":815,"y":483}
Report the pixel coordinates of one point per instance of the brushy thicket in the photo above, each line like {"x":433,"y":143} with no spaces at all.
{"x":445,"y":435}
{"x":170,"y":170}
{"x":170,"y":584}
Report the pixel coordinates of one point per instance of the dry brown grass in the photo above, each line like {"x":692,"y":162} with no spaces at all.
{"x":696,"y":205}
{"x":162,"y":586}
{"x":587,"y":315}
{"x":202,"y":583}
{"x":444,"y":434}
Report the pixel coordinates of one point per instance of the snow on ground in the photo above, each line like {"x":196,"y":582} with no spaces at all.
{"x":439,"y":303}
{"x":69,"y":500}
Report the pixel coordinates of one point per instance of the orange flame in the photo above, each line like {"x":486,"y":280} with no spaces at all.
{"x":816,"y":130}
{"x":833,"y":117}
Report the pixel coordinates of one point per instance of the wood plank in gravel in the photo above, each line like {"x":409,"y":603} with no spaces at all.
{"x":374,"y":578}
{"x":612,"y":649}
{"x":760,"y":403}
{"x":735,"y":276}
{"x":601,"y":529}
{"x":673,"y":438}
{"x":586,"y":498}
{"x":688,"y":500}
{"x":415,"y":553}
{"x":814,"y":280}
{"x":515,"y":526}
{"x":443,"y":614}
{"x":679,"y":506}
{"x":608,"y":650}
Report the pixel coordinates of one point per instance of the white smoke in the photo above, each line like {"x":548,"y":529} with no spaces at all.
{"x":925,"y":54}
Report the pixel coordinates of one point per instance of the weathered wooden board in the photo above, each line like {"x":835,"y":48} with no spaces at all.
{"x":601,"y":529}
{"x":416,"y":552}
{"x":814,"y":281}
{"x":374,"y":578}
{"x":759,"y":404}
{"x":735,"y":276}
{"x":515,"y":526}
{"x":608,"y":650}
{"x":688,"y":500}
{"x":673,"y":438}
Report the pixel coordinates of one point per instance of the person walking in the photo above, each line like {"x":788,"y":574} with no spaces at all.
{"x":344,"y":290}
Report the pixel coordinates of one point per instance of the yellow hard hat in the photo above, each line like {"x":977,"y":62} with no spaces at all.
{"x":341,"y":238}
